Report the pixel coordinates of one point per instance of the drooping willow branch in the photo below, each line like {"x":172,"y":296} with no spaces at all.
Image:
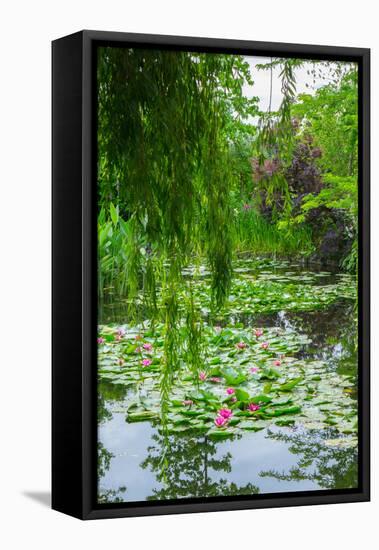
{"x":164,"y":160}
{"x":275,"y":142}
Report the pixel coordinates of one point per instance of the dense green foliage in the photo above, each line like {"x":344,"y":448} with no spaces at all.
{"x":164,"y":160}
{"x":191,"y":175}
{"x":331,"y":116}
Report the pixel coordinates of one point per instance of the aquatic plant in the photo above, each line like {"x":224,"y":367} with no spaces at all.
{"x":147,"y":346}
{"x":220,"y":421}
{"x":225,"y":413}
{"x":252,"y":394}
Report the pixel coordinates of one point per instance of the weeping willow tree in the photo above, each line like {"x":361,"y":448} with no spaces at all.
{"x":164,"y":161}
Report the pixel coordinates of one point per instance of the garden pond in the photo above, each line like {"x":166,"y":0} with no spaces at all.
{"x":273,"y":409}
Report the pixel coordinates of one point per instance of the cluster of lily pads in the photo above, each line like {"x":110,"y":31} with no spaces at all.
{"x":250,"y":380}
{"x":269,"y":292}
{"x":266,"y":287}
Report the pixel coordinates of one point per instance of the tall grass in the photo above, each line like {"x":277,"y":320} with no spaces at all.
{"x":118,"y":245}
{"x":257,"y":235}
{"x":116,"y":248}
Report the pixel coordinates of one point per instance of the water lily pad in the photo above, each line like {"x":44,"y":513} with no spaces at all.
{"x":269,"y":370}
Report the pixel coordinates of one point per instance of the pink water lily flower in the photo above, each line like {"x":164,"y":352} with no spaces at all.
{"x":265,"y":345}
{"x":247,"y":206}
{"x":233,"y":399}
{"x":252,"y":407}
{"x":214,"y":379}
{"x":202,"y":375}
{"x":147,"y":347}
{"x":225,"y":413}
{"x":187,"y":402}
{"x":241,"y":345}
{"x":277,"y":363}
{"x":100,"y":340}
{"x":258,"y":332}
{"x":146,"y":362}
{"x":121,"y":332}
{"x":254,"y":370}
{"x":230,"y":391}
{"x":220,"y":421}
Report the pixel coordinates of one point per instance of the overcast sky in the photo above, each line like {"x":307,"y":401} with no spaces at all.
{"x":261,"y":79}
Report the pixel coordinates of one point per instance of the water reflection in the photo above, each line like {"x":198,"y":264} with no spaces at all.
{"x":193,"y":466}
{"x":332,"y":331}
{"x":186,"y":467}
{"x":115,"y":309}
{"x":330,"y":467}
{"x":104,"y":458}
{"x":106,"y":394}
{"x":155,"y":467}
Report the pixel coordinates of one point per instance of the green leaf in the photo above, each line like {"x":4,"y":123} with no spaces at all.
{"x":114,"y":213}
{"x":261,"y":398}
{"x":242,"y":395}
{"x":233,"y":377}
{"x":141,"y":416}
{"x":220,"y":434}
{"x":285,"y":410}
{"x":288,"y":386}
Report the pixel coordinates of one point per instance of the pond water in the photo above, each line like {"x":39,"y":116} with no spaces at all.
{"x":138,"y":462}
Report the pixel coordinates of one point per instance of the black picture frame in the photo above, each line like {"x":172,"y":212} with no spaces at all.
{"x":74,"y":294}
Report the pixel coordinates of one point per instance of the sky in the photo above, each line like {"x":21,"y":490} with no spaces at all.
{"x":261,"y":79}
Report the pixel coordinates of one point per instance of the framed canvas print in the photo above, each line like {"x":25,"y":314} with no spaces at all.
{"x":210,"y":274}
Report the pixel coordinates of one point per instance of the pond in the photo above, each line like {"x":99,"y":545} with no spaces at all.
{"x":281,"y":357}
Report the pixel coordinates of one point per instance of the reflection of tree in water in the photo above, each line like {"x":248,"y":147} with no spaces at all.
{"x":334,"y":335}
{"x":184,"y":465}
{"x":104,"y":496}
{"x":330,"y":467}
{"x":333,"y":332}
{"x":104,"y":457}
{"x":112,"y":392}
{"x":107,"y":393}
{"x":103,"y":413}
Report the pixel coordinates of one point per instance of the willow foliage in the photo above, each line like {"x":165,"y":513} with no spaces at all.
{"x":164,"y":160}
